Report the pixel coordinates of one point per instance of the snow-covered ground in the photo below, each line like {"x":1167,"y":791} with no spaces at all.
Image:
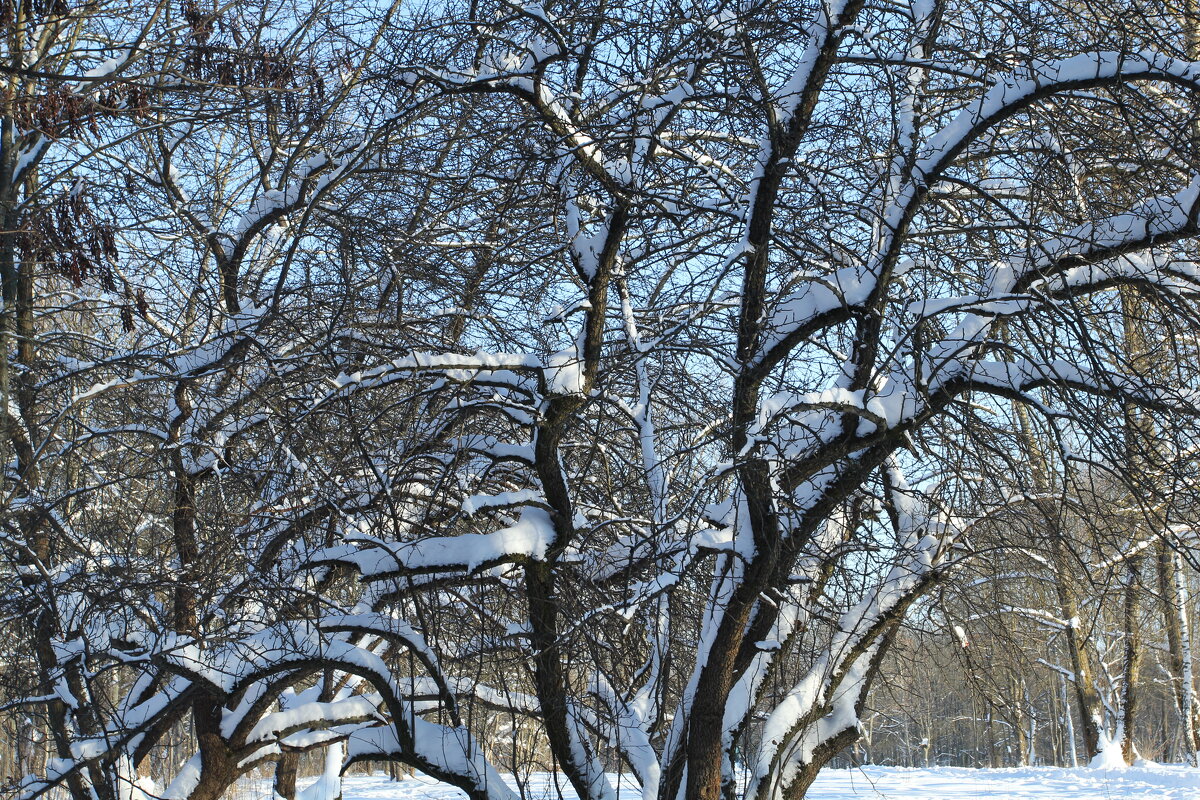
{"x":892,"y":783}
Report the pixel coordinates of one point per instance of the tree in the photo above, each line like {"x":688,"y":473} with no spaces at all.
{"x":674,"y":372}
{"x":150,"y":474}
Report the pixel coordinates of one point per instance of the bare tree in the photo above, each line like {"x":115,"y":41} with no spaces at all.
{"x":627,"y":372}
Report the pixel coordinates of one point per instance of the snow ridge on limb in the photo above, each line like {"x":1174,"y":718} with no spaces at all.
{"x":1079,"y":256}
{"x":824,"y":705}
{"x":527,"y":539}
{"x":451,"y":754}
{"x":805,"y":313}
{"x":243,"y":668}
{"x":558,"y":374}
{"x":795,"y":613}
{"x":630,"y":736}
{"x":550,"y":519}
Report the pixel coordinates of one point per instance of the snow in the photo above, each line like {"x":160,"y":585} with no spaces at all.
{"x":267,"y":203}
{"x":878,"y":783}
{"x":820,"y":32}
{"x":451,"y":750}
{"x":564,"y":373}
{"x":1013,"y":93}
{"x":527,"y":538}
{"x":328,"y":785}
{"x":109,"y":66}
{"x":1109,"y":757}
{"x":819,"y":295}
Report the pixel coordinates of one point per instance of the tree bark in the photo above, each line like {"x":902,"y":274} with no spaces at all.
{"x":1087,"y":699}
{"x":1133,"y":660}
{"x":285,"y":775}
{"x":1172,"y":589}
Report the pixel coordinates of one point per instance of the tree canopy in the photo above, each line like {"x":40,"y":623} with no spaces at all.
{"x":418,"y":383}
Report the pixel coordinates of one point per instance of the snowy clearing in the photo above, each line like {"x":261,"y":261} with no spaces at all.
{"x":893,"y":783}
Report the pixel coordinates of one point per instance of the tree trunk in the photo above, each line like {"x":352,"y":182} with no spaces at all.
{"x":1087,"y":699}
{"x":1133,"y":660}
{"x":1069,"y":723}
{"x":1172,"y":589}
{"x":285,"y":775}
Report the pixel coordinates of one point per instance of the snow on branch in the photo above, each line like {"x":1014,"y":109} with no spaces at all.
{"x":451,"y":754}
{"x":825,"y":702}
{"x":527,"y":539}
{"x":1040,"y":79}
{"x":819,"y":305}
{"x":560,"y":373}
{"x":1081,"y":258}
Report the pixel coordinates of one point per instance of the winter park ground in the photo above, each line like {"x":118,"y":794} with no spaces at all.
{"x":879,"y":783}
